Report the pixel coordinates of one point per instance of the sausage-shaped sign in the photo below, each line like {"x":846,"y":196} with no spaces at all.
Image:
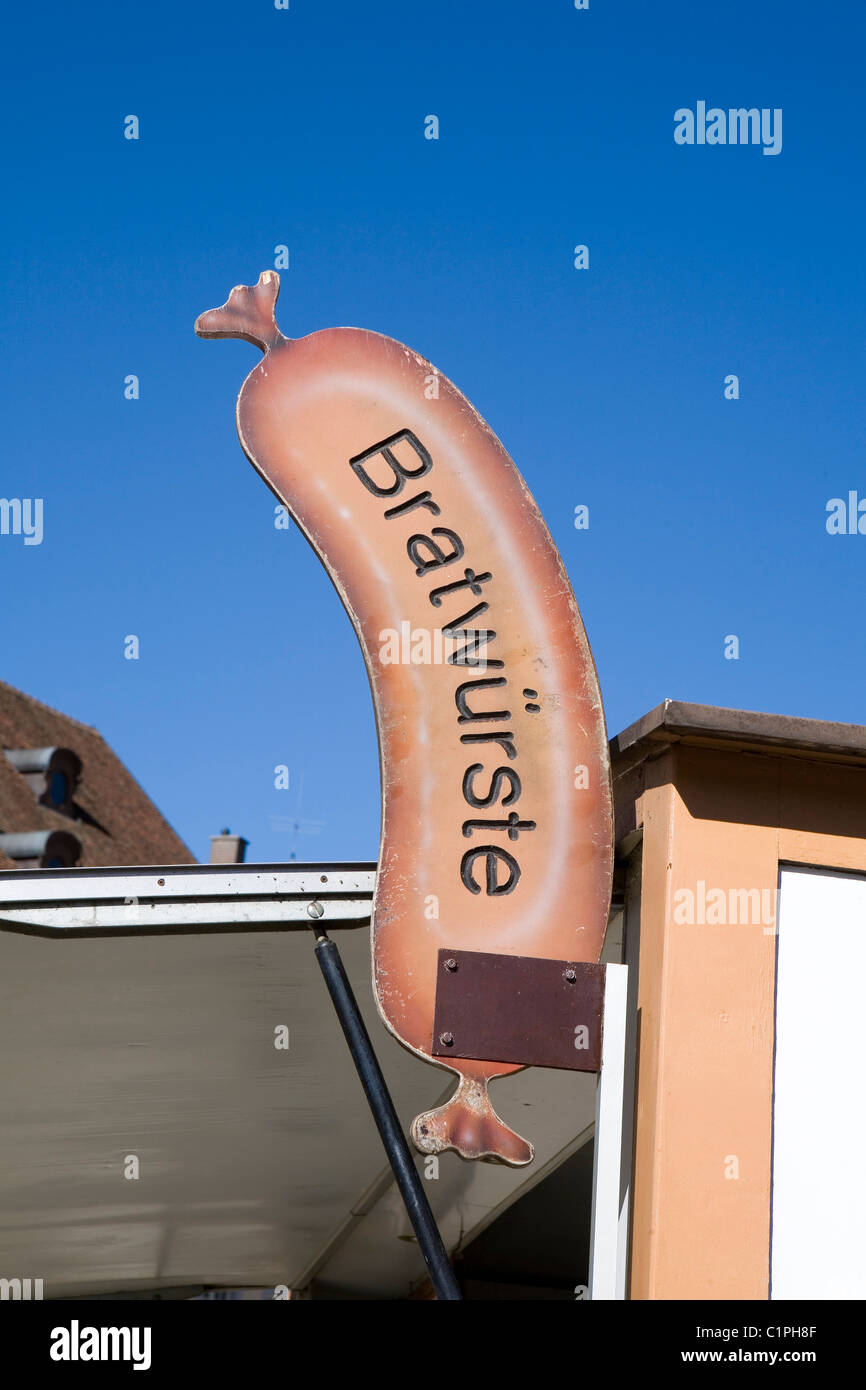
{"x":496,"y":799}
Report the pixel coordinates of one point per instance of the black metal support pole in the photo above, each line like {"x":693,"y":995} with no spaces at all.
{"x":382,"y":1106}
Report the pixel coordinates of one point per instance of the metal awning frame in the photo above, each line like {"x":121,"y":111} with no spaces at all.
{"x":187,"y":898}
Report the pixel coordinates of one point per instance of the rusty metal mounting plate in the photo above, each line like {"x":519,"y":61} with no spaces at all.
{"x":522,"y":1009}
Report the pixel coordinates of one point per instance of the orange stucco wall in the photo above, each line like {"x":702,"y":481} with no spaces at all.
{"x":703,"y":1137}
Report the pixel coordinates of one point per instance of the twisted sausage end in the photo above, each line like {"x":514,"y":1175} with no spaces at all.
{"x":248,"y":313}
{"x":468,"y":1125}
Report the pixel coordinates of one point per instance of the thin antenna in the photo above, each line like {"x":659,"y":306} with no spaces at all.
{"x":297,"y":824}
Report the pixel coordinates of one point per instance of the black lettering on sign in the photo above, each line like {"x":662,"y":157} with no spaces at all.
{"x":466,"y":715}
{"x":417,"y":544}
{"x":497,"y":778}
{"x":470,"y":580}
{"x":501,"y":871}
{"x":493,"y":856}
{"x":472,"y":654}
{"x":513,"y":825}
{"x":505,"y":741}
{"x":399,"y":470}
{"x":423,"y":499}
{"x":465,"y":618}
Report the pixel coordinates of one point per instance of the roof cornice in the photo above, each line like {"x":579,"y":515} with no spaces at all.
{"x":709,"y":726}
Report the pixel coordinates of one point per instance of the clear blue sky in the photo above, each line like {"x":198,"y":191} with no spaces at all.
{"x":306,"y":127}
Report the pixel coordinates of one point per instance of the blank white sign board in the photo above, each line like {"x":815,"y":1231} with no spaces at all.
{"x":819,"y":1112}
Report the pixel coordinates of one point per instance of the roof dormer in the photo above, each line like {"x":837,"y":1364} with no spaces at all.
{"x":42,"y":849}
{"x":53,"y":774}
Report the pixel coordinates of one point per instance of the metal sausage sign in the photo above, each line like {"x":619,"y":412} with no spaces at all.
{"x":496,"y":799}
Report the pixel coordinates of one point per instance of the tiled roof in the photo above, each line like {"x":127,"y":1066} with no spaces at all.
{"x":117,"y":823}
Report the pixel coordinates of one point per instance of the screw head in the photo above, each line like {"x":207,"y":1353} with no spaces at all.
{"x":450,"y":963}
{"x":315,"y":910}
{"x":446,"y":1039}
{"x":570,"y":975}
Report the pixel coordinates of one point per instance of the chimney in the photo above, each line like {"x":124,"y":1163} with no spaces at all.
{"x":227,"y":848}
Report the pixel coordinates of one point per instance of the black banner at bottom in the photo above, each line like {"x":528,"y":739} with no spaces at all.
{"x":151,"y":1337}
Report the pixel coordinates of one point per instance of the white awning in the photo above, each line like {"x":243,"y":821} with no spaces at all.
{"x":257,"y":1166}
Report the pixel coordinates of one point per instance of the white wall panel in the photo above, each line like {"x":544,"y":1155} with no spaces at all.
{"x":819,"y":1144}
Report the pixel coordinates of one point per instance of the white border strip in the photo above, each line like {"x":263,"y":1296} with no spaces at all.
{"x":608,"y":1241}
